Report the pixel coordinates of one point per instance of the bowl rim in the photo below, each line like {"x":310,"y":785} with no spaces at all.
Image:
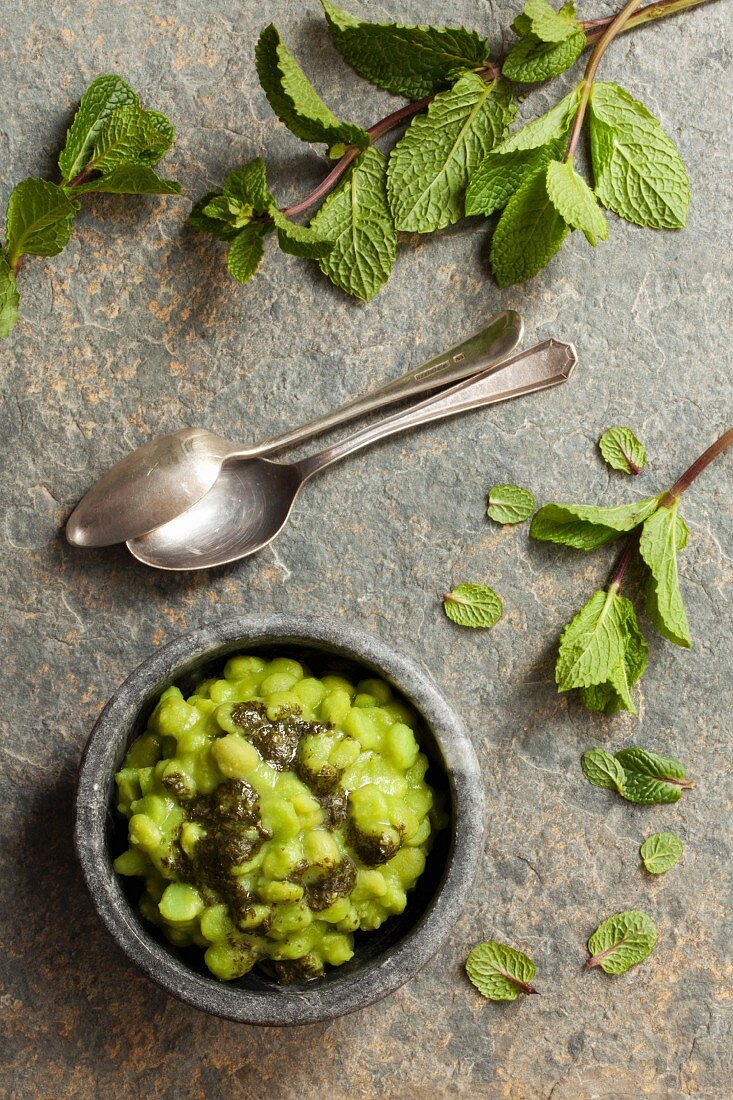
{"x":277,"y":1006}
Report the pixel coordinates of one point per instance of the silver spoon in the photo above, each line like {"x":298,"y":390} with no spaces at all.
{"x":162,"y":479}
{"x":251,"y":500}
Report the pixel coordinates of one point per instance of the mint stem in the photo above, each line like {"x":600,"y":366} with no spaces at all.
{"x":616,"y":579}
{"x":594,"y":28}
{"x":685,"y":480}
{"x":615,"y":27}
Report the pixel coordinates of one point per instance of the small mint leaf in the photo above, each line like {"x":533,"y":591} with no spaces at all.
{"x":294,"y":99}
{"x":199,"y":219}
{"x":528,"y":234}
{"x":637,"y":167}
{"x":622,"y":450}
{"x":300,"y":240}
{"x":129,"y":135}
{"x":510,"y":504}
{"x":622,"y":941}
{"x":245,"y":252}
{"x":501,"y":174}
{"x":103,"y":96}
{"x":474,"y":605}
{"x":575,"y":202}
{"x":405,"y":60}
{"x":547,"y":24}
{"x":246,"y":188}
{"x":652,"y":779}
{"x":555,"y":124}
{"x":130,"y":179}
{"x":593,"y":647}
{"x":432,"y":163}
{"x":603,"y":770}
{"x":531,"y":60}
{"x":660,"y":851}
{"x":9,"y":298}
{"x":499,"y":972}
{"x":38,"y":220}
{"x":356,"y":217}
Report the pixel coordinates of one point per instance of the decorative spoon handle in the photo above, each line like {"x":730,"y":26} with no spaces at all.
{"x":547,"y":364}
{"x":487,"y":348}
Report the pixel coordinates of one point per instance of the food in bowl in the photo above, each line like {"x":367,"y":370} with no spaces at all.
{"x":273,"y":814}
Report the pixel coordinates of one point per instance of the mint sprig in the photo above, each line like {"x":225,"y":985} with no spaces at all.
{"x":455,"y":157}
{"x":603,"y":652}
{"x":111,"y":146}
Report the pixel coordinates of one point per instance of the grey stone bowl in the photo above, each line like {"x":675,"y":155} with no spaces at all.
{"x":384,"y":959}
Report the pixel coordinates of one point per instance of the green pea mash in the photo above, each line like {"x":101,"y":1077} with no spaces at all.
{"x":273,"y":814}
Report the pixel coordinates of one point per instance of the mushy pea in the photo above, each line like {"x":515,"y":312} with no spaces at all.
{"x":273,"y":814}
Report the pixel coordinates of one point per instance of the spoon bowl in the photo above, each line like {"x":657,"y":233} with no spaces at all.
{"x":245,"y":509}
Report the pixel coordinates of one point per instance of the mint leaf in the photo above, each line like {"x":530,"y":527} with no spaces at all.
{"x":474,"y":605}
{"x":357,"y":219}
{"x":294,"y":99}
{"x":245,"y":189}
{"x":637,"y":168}
{"x":547,"y":24}
{"x":405,"y":60}
{"x":167,"y":133}
{"x":520,"y":155}
{"x":622,"y":450}
{"x":652,"y":779}
{"x":38,"y":220}
{"x":199,"y":219}
{"x":528,"y":234}
{"x":9,"y":298}
{"x":554,"y":124}
{"x":662,"y":536}
{"x":130,"y":179}
{"x":510,"y":504}
{"x":593,"y":646}
{"x":129,"y":135}
{"x":614,"y":694}
{"x":500,"y":174}
{"x":531,"y":60}
{"x":300,"y":240}
{"x":245,"y":252}
{"x":575,"y":202}
{"x":431,"y":165}
{"x":499,"y":972}
{"x":603,"y":770}
{"x":585,"y":526}
{"x":103,"y":96}
{"x":622,"y":941}
{"x":661,"y":851}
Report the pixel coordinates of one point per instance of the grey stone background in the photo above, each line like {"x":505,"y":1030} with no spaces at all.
{"x":137,"y":329}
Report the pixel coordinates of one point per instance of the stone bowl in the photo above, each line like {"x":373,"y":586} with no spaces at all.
{"x":383,"y":959}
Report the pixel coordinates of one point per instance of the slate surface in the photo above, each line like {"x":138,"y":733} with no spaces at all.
{"x":137,"y":329}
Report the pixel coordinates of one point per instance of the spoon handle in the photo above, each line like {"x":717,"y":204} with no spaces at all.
{"x":547,"y":364}
{"x":487,"y":348}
